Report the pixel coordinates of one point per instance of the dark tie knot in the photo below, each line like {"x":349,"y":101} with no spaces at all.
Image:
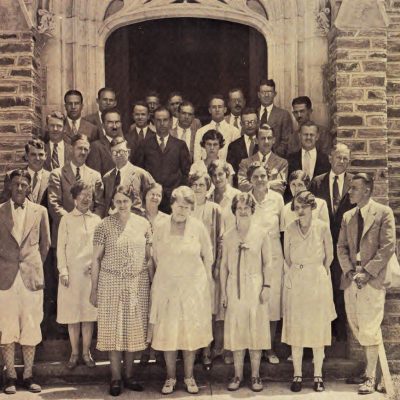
{"x":16,"y":206}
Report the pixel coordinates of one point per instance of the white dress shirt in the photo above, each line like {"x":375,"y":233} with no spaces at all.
{"x":101,"y":121}
{"x":60,"y":152}
{"x":174,"y":122}
{"x":165,"y":140}
{"x":144,"y":130}
{"x":340,"y":184}
{"x":82,"y":169}
{"x":18,"y":216}
{"x":188,"y":135}
{"x":231,"y":121}
{"x":313,"y":160}
{"x":77,"y":124}
{"x":261,"y":156}
{"x":262,"y":109}
{"x":35,"y":190}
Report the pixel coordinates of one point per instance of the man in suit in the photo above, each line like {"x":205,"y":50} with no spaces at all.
{"x":276,"y":166}
{"x":175,"y":99}
{"x":236,"y":104}
{"x":165,"y":157}
{"x":367,"y":241}
{"x":152,"y":100}
{"x":140,"y":128}
{"x":126,"y":174}
{"x":277,"y":118}
{"x":333,"y":187}
{"x":73,"y":103}
{"x":35,"y":154}
{"x":58,"y":151}
{"x":99,"y":157}
{"x":25,"y":241}
{"x":217,"y":109}
{"x":308,"y":158}
{"x":187,"y":126}
{"x":302,"y":111}
{"x":106,"y":98}
{"x":245,"y":146}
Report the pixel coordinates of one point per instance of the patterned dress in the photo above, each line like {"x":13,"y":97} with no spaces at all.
{"x":123,"y":289}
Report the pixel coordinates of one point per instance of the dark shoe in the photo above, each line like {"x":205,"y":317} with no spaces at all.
{"x":30,"y":385}
{"x":73,"y":361}
{"x":10,"y":386}
{"x":318,"y":384}
{"x":356,"y":380}
{"x":115,"y":388}
{"x":256,"y":384}
{"x":297,"y":384}
{"x":145,"y":358}
{"x":131,"y":384}
{"x":368,"y":387}
{"x":207,"y":363}
{"x":88,"y":360}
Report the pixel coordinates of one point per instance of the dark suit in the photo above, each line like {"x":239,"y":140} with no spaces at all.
{"x":85,"y":128}
{"x":322,"y":164}
{"x":133,"y":139}
{"x":99,"y":157}
{"x":95,"y":119}
{"x":169,"y":168}
{"x":282,"y":124}
{"x":320,"y":188}
{"x":67,"y":155}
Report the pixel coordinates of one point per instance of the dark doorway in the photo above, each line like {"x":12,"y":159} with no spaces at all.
{"x":197,"y":57}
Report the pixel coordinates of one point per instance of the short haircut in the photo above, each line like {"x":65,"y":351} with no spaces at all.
{"x":302,"y":100}
{"x":152,"y":93}
{"x":300,"y":174}
{"x":73,"y":92}
{"x":162,"y":108}
{"x":23,"y":173}
{"x":185,"y":193}
{"x":249,"y":110}
{"x":109,"y":111}
{"x":173,"y":94}
{"x":246,"y":198}
{"x":77,"y":137}
{"x":265,"y":127}
{"x":126,"y":190}
{"x":36,"y":143}
{"x":310,"y":123}
{"x":338,"y":145}
{"x":252,"y":167}
{"x":236,"y":89}
{"x":79,"y":187}
{"x":366,"y":178}
{"x":212,"y":134}
{"x":152,"y":186}
{"x":304,"y":197}
{"x":117,"y":140}
{"x":216,"y":97}
{"x":140,"y":103}
{"x":219,"y":164}
{"x":58,"y":115}
{"x":186,"y":103}
{"x":266,"y":82}
{"x":105,"y":89}
{"x":195,"y":176}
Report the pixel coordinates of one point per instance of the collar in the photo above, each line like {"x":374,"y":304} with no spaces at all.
{"x":74,"y":167}
{"x":213,"y":123}
{"x":12,"y":204}
{"x":70,"y":122}
{"x":109,"y":138}
{"x":123,"y":168}
{"x":365,"y":209}
{"x":269,"y":109}
{"x":340,"y":176}
{"x":165,"y":139}
{"x":143,"y":129}
{"x":60,"y":144}
{"x":233,"y":116}
{"x":180,"y":128}
{"x":313,"y":152}
{"x":267,"y":156}
{"x":32,"y":172}
{"x":77,"y":213}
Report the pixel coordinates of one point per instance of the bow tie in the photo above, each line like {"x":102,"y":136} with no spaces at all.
{"x":16,"y":206}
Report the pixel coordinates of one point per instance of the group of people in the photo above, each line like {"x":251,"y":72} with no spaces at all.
{"x":201,"y":239}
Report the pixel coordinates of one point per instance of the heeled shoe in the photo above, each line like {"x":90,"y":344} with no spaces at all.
{"x":207,"y":362}
{"x":88,"y":360}
{"x":115,"y":387}
{"x":318,"y":384}
{"x":297,"y":384}
{"x":73,"y":361}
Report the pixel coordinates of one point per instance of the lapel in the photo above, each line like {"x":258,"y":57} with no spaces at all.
{"x":353,"y":227}
{"x":43,"y":185}
{"x":68,"y":173}
{"x":7,"y":220}
{"x":370,"y":219}
{"x":30,"y":219}
{"x":325,"y":188}
{"x":169,"y":145}
{"x":106,"y":144}
{"x":174,"y":132}
{"x":272,"y":161}
{"x":346,"y":185}
{"x":67,"y":152}
{"x":242,"y":146}
{"x":272,"y":115}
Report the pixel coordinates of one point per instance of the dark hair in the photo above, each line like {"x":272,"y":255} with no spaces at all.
{"x":126,"y":190}
{"x":212,"y":134}
{"x":77,"y":137}
{"x":216,"y":97}
{"x":109,"y":111}
{"x":162,"y":108}
{"x":73,"y":92}
{"x":265,"y":127}
{"x":117,"y":140}
{"x":236,"y":89}
{"x":186,"y":103}
{"x":173,"y":94}
{"x":246,"y":198}
{"x":140,"y":103}
{"x":79,"y":187}
{"x":36,"y":143}
{"x":249,"y":110}
{"x":56,"y":114}
{"x":252,"y":167}
{"x":266,"y":82}
{"x":23,"y":173}
{"x":105,"y":89}
{"x":302,"y":100}
{"x":218,"y":164}
{"x":304,"y":197}
{"x":310,"y":123}
{"x":195,"y":176}
{"x":184,"y":192}
{"x":152,"y":93}
{"x":300,"y":174}
{"x":367,"y":179}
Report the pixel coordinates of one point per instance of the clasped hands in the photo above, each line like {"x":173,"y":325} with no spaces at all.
{"x":360,"y":278}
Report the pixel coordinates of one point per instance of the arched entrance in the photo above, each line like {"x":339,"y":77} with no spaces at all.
{"x":195,"y":56}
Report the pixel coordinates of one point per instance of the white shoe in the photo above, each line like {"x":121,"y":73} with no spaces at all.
{"x":191,"y":386}
{"x":169,"y":386}
{"x":290,"y":358}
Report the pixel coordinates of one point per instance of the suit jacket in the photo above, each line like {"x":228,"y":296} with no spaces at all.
{"x":193,"y":130}
{"x":85,"y":128}
{"x":274,"y":162}
{"x":135,"y":177}
{"x":99,"y":157}
{"x":378,"y":243}
{"x":282,"y":124}
{"x":42,"y":193}
{"x":67,"y":155}
{"x":324,"y":142}
{"x":133,"y":139}
{"x":95,"y":120}
{"x":322,"y":164}
{"x":60,"y":198}
{"x":27,"y":257}
{"x":169,"y":168}
{"x":320,"y":188}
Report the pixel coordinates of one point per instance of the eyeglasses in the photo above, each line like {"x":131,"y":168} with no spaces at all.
{"x":119,"y":152}
{"x":249,"y":123}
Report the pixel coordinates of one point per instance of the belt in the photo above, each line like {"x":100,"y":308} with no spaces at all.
{"x":123,"y":274}
{"x":301,"y":266}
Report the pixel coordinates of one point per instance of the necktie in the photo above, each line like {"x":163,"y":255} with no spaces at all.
{"x":34,"y":181}
{"x":141,"y":134}
{"x":78,"y":175}
{"x":307,"y":164}
{"x":360,"y":221}
{"x":16,"y":206}
{"x":117,"y":178}
{"x":236,"y":122}
{"x":74,"y":128}
{"x":264,"y":117}
{"x":162,"y":144}
{"x":252,"y":146}
{"x":335,"y":193}
{"x":55,"y":162}
{"x":264,"y":158}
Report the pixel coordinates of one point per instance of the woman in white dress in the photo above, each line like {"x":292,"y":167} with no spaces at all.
{"x":182,"y":289}
{"x":309,"y":308}
{"x":269,"y":205}
{"x":74,"y":255}
{"x":245,"y":286}
{"x":299,"y":181}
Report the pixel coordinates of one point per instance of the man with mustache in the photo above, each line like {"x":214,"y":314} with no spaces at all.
{"x":236,"y":104}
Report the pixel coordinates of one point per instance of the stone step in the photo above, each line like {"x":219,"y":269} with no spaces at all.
{"x":56,"y":372}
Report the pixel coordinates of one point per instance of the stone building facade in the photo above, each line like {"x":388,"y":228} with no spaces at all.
{"x":345,"y":54}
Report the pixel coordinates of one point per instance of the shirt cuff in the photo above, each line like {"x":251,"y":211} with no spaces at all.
{"x":63,"y":271}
